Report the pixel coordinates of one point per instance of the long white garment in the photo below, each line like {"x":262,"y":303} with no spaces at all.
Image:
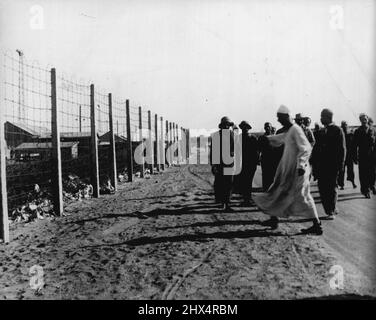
{"x":289,"y":195}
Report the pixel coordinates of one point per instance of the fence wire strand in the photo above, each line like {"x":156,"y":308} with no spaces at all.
{"x":26,"y":99}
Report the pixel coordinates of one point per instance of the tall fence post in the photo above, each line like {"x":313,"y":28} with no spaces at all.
{"x":156,"y":151}
{"x":178,"y":151}
{"x":57,"y":179}
{"x":173,"y":141}
{"x":182,"y":144}
{"x":188,"y":144}
{"x":4,"y":223}
{"x":161,"y":148}
{"x":113,"y":169}
{"x":94,"y":145}
{"x":167,"y":144}
{"x":198,"y":150}
{"x":150,"y":147}
{"x":129,"y":143}
{"x":170,"y":154}
{"x":142,"y":141}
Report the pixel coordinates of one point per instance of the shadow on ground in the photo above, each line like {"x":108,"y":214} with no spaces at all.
{"x":343,"y":297}
{"x":196,"y":237}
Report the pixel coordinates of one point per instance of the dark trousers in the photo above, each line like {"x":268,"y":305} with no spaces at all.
{"x":223,"y":188}
{"x":366,"y":175}
{"x":327,"y":183}
{"x":349,"y":166}
{"x":245,"y":182}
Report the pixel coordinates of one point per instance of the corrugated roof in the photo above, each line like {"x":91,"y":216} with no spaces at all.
{"x":44,"y":145}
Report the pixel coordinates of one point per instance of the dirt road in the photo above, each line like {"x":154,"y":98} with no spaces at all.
{"x":164,"y":238}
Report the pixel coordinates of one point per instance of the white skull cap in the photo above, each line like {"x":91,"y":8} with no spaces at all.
{"x":283,"y":109}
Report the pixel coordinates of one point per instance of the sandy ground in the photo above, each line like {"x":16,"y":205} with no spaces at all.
{"x":164,"y":238}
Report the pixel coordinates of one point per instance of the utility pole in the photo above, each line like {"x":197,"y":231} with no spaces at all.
{"x":21,"y":86}
{"x":80,"y":119}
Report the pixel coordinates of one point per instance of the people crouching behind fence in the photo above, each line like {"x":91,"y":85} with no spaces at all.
{"x":333,"y":151}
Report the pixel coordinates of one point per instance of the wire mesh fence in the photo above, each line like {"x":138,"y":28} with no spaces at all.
{"x":120,"y":132}
{"x":73,"y":99}
{"x":26,"y":104}
{"x":103,"y":128}
{"x":43,"y":109}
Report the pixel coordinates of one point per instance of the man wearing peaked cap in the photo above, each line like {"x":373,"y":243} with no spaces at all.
{"x":249,"y":159}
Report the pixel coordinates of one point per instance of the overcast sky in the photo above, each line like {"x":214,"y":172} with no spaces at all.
{"x":195,"y":61}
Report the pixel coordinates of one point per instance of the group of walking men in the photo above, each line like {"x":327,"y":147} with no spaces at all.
{"x":290,"y":158}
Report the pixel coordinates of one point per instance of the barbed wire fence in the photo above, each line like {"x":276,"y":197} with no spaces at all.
{"x":26,"y":105}
{"x":63,"y":140}
{"x":75,"y":133}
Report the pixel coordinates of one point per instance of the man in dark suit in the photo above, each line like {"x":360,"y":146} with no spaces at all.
{"x":349,"y":162}
{"x":373,"y":182}
{"x":222,"y":149}
{"x":269,"y":157}
{"x":364,"y":150}
{"x":329,"y":159}
{"x":250,"y":158}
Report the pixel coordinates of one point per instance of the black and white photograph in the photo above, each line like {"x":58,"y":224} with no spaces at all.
{"x":187,"y":150}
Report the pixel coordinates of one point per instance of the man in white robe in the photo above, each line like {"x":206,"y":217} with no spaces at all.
{"x":289,"y":194}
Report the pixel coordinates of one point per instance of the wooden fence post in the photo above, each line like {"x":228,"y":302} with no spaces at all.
{"x":170,"y":154}
{"x":94,"y":145}
{"x":188,"y":144}
{"x":167,"y":143}
{"x":178,"y":151}
{"x":161,"y":148}
{"x":4,"y":222}
{"x":183,"y":141}
{"x":57,"y":179}
{"x":113,"y":169}
{"x":142,"y":141}
{"x":129,"y":143}
{"x":198,"y":150}
{"x":156,"y":151}
{"x":174,"y":139}
{"x":150,"y":147}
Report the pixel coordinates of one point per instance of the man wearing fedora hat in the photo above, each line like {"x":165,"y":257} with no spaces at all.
{"x":249,"y":159}
{"x":221,"y":159}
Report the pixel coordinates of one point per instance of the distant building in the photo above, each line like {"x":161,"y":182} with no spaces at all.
{"x":118,"y":138}
{"x":17,"y":133}
{"x":29,"y":151}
